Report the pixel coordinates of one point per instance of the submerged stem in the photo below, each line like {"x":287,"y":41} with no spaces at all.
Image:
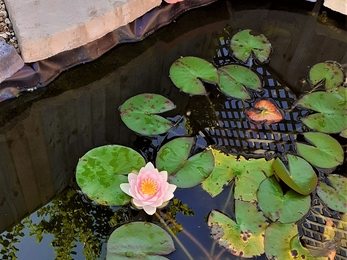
{"x":184,"y":232}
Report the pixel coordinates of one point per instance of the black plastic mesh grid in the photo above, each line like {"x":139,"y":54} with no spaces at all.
{"x":227,"y":125}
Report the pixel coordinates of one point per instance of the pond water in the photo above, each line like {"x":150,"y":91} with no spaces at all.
{"x":44,"y":133}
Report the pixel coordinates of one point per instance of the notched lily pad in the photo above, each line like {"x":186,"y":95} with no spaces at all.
{"x":235,"y":79}
{"x":184,"y":171}
{"x":139,"y":113}
{"x":244,"y":44}
{"x":278,"y":206}
{"x":264,"y":111}
{"x":247,"y":174}
{"x":139,"y":240}
{"x":243,"y":237}
{"x":187,"y":72}
{"x":101,"y":170}
{"x":298,"y":175}
{"x":334,"y":196}
{"x":331,"y":108}
{"x":330,"y":73}
{"x":282,"y":242}
{"x":326,"y":152}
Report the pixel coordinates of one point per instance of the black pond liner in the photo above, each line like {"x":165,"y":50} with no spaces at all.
{"x":228,"y":128}
{"x":41,"y":73}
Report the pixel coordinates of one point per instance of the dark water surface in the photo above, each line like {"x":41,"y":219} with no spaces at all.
{"x":44,"y":133}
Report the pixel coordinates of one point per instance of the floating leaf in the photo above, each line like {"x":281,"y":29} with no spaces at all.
{"x":285,"y":208}
{"x":244,"y":44}
{"x":326,"y":152}
{"x":299,"y":175}
{"x":233,"y":80}
{"x":187,"y":72}
{"x":184,"y":172}
{"x":248,"y":175}
{"x":243,"y":237}
{"x":334,"y":196}
{"x":139,"y":240}
{"x":282,"y":242}
{"x":139,"y":114}
{"x":101,"y":170}
{"x":264,"y":110}
{"x":332,"y":108}
{"x":330,"y":73}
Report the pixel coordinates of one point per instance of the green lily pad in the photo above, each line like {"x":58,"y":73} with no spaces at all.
{"x":101,"y":170}
{"x":139,"y":114}
{"x":285,"y":208}
{"x":332,"y":108}
{"x":248,"y":174}
{"x":334,"y":196}
{"x":243,"y":237}
{"x":187,"y":72}
{"x":344,"y":133}
{"x":139,"y":240}
{"x":282,"y":242}
{"x":184,"y":172}
{"x":235,"y":79}
{"x":330,"y":73}
{"x":244,"y":44}
{"x":326,"y":152}
{"x":299,"y":175}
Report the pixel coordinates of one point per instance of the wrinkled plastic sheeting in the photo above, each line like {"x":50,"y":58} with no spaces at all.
{"x":41,"y":73}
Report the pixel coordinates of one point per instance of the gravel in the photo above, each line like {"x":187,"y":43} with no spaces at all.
{"x":6,"y":28}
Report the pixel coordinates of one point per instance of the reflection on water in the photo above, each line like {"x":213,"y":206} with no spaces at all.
{"x":43,"y":134}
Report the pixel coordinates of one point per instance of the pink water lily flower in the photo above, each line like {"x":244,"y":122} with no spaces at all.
{"x":173,"y":1}
{"x":149,"y":188}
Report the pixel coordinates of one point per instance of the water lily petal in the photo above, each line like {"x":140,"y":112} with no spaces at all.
{"x":163,"y":174}
{"x":149,"y":167}
{"x":173,"y":1}
{"x":126,"y":188}
{"x":149,"y":209}
{"x":132,"y":177}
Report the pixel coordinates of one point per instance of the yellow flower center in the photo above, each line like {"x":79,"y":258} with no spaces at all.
{"x":149,"y":187}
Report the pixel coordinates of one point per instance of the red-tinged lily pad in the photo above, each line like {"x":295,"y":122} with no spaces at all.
{"x":264,"y":110}
{"x":243,"y":237}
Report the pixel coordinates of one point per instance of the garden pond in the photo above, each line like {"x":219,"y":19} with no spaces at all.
{"x":243,"y":104}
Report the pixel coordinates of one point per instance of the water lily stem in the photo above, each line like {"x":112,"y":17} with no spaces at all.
{"x":184,"y":232}
{"x":174,"y":236}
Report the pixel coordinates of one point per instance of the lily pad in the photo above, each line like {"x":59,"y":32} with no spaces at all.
{"x":298,"y":175}
{"x":332,"y":108}
{"x":187,"y":72}
{"x":244,"y":44}
{"x":329,"y":72}
{"x":285,"y":208}
{"x":282,"y":242}
{"x":139,"y":240}
{"x":334,"y":196}
{"x":139,"y":114}
{"x":184,"y":172}
{"x":243,"y":237}
{"x":235,"y":79}
{"x":264,"y":110}
{"x":248,"y":174}
{"x":326,"y":152}
{"x":101,"y":170}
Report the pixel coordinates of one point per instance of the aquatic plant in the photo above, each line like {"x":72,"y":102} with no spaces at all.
{"x":149,"y":189}
{"x":276,"y":193}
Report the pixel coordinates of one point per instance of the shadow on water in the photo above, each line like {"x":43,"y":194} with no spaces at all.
{"x":43,"y":133}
